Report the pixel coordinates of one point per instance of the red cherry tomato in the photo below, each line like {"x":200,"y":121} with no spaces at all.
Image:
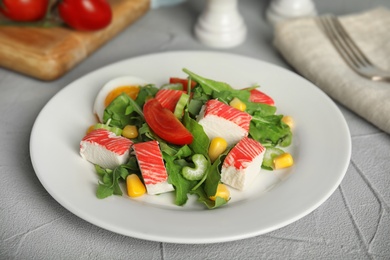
{"x":24,"y":10}
{"x":164,"y":123}
{"x":86,"y":15}
{"x":184,"y":82}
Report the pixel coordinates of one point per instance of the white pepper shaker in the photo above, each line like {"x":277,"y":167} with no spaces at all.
{"x":279,"y":10}
{"x":220,"y":24}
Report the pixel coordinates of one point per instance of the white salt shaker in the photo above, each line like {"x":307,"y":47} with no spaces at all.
{"x":280,"y":10}
{"x":220,"y":24}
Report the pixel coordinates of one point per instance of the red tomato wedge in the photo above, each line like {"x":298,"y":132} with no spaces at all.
{"x":260,"y":97}
{"x":184,"y":82}
{"x":164,"y":123}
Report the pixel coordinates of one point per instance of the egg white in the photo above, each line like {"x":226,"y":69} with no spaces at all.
{"x":99,"y":107}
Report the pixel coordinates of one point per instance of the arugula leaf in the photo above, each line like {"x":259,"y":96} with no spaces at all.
{"x":201,"y":141}
{"x":203,"y":198}
{"x":227,"y":95}
{"x":182,"y":185}
{"x":270,"y":130}
{"x":122,"y":111}
{"x":104,"y":191}
{"x":176,"y":151}
{"x":208,"y":85}
{"x":214,"y":176}
{"x":109,"y":181}
{"x":259,"y":109}
{"x":144,"y":93}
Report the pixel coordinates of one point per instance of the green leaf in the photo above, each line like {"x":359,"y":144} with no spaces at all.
{"x":213,"y":177}
{"x":144,"y":93}
{"x":259,"y":109}
{"x":182,"y":185}
{"x":208,"y":85}
{"x":201,"y":141}
{"x":104,"y":191}
{"x":109,"y":181}
{"x":210,"y":204}
{"x":270,"y":131}
{"x":120,"y":111}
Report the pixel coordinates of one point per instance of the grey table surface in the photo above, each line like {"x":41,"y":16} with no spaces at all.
{"x":354,"y":223}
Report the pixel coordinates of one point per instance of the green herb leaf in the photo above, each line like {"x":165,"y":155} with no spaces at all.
{"x":270,"y":131}
{"x":208,"y":85}
{"x":201,"y":141}
{"x":210,"y":204}
{"x":182,"y":185}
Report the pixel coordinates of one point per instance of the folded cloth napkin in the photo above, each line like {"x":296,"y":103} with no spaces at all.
{"x":305,"y":46}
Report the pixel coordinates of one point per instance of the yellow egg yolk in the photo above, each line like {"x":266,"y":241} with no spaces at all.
{"x":131,"y":91}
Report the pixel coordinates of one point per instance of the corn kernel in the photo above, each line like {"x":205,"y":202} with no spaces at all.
{"x":222,"y":191}
{"x":130,"y":131}
{"x":283,"y":161}
{"x":90,"y":129}
{"x":288,"y":120}
{"x":238,"y":104}
{"x":217,"y":146}
{"x":135,"y":187}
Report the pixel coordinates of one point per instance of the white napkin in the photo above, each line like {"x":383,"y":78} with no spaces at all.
{"x":303,"y":44}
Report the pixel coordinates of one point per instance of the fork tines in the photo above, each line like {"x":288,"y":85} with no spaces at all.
{"x":348,"y":50}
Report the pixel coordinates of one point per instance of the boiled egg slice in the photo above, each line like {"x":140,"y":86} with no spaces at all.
{"x":113,"y":88}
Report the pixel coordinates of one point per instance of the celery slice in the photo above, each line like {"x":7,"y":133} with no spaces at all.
{"x":181,"y":104}
{"x":196,"y":173}
{"x":269,"y":155}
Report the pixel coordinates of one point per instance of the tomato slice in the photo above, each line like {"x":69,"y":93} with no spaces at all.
{"x":260,"y":97}
{"x":182,"y":81}
{"x":164,"y":123}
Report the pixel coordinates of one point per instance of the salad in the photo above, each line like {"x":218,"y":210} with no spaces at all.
{"x":192,"y":136}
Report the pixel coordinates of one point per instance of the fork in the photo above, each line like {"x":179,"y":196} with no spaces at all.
{"x":349,"y":51}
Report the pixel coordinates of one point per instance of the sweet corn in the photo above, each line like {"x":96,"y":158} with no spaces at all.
{"x":217,"y":146}
{"x":222,"y":191}
{"x":283,"y":161}
{"x":135,"y":187}
{"x":238,"y":104}
{"x":288,"y":120}
{"x":130,"y":131}
{"x":90,"y":129}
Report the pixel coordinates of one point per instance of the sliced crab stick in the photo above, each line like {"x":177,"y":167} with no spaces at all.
{"x":260,"y":97}
{"x":168,"y":97}
{"x":221,"y":120}
{"x":104,"y":148}
{"x":152,"y":167}
{"x":242,"y":164}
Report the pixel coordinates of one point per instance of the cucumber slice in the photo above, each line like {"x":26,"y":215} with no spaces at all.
{"x":269,"y":155}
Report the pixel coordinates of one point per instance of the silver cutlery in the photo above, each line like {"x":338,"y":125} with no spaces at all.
{"x":349,"y":51}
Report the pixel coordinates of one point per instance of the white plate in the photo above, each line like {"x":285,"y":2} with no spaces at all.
{"x":321,"y":149}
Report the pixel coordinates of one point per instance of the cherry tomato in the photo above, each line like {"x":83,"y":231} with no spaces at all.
{"x":24,"y":10}
{"x":86,"y":15}
{"x":164,"y":123}
{"x":260,"y":97}
{"x":184,"y":82}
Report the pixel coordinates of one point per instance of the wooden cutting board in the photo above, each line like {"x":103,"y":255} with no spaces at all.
{"x":48,"y":53}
